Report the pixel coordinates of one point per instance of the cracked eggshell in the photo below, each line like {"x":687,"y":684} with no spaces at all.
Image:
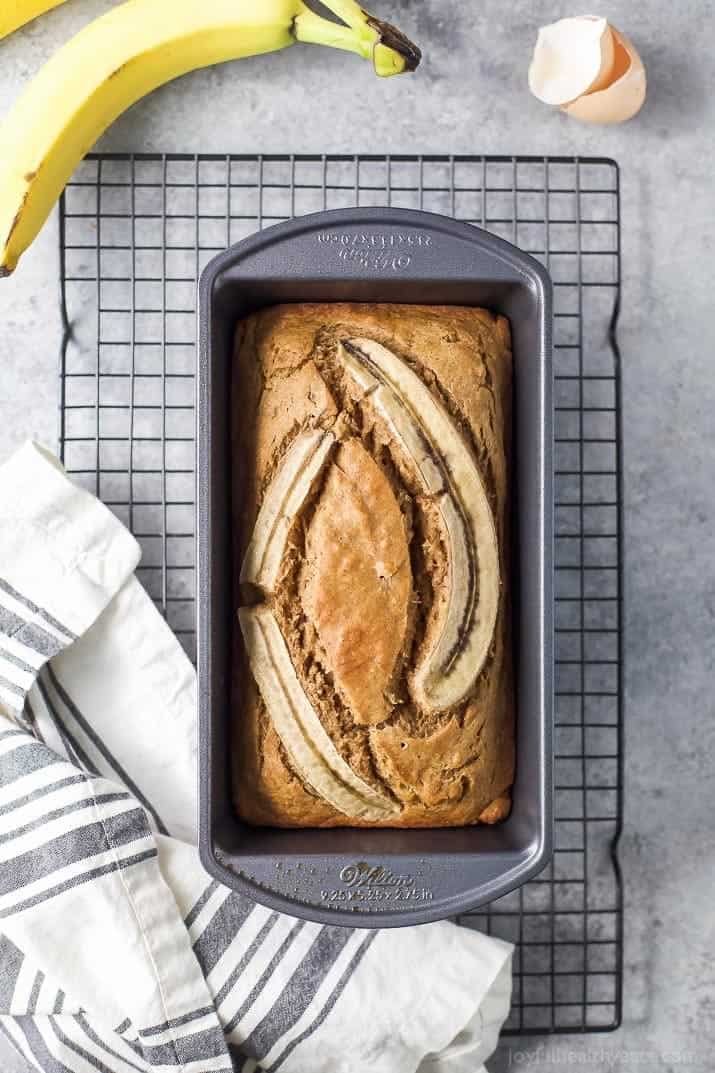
{"x":572,"y":57}
{"x":624,"y":95}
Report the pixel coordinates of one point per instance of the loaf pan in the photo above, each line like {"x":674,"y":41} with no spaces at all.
{"x":362,"y":877}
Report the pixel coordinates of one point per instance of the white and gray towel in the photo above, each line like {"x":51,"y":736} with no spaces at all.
{"x":118,"y":954}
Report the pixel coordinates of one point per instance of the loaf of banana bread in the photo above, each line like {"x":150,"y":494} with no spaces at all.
{"x":373,"y":679}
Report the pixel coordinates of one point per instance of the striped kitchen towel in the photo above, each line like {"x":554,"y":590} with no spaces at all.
{"x":117,"y":953}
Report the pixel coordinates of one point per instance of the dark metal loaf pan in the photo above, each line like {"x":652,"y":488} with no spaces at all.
{"x":376,"y":878}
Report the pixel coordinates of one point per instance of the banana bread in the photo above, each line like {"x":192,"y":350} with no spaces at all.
{"x":373,"y":680}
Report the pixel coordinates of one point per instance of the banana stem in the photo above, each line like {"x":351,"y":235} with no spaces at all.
{"x":391,"y":52}
{"x":315,"y":30}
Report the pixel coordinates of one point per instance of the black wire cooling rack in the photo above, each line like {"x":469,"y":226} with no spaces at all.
{"x":136,"y":232}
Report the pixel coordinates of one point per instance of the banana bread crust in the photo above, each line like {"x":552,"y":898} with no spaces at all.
{"x":366,"y":566}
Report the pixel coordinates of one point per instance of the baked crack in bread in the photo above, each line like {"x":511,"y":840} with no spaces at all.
{"x":373,"y":680}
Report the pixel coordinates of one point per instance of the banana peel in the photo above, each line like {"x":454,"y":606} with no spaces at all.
{"x":16,"y":13}
{"x":131,"y":51}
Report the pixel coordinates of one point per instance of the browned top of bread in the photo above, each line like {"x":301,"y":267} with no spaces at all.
{"x":356,"y":581}
{"x":366,"y":570}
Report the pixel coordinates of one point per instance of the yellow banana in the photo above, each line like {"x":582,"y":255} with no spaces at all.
{"x":127,"y":53}
{"x":15,"y":13}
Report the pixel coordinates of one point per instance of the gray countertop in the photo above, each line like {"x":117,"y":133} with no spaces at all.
{"x":470,"y":96}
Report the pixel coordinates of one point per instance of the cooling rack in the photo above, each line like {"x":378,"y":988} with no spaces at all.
{"x":136,"y":231}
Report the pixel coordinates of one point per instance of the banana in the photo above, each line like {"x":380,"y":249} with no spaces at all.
{"x":129,"y":52}
{"x":304,"y":738}
{"x":299,"y":469}
{"x":448,"y":472}
{"x":15,"y":13}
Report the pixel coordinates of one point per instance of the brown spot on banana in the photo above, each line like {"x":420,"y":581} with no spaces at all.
{"x":8,"y":268}
{"x":425,"y":431}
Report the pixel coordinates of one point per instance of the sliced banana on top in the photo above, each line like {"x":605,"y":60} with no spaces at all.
{"x":298,"y":725}
{"x":426,"y":432}
{"x":304,"y":738}
{"x":298,"y":470}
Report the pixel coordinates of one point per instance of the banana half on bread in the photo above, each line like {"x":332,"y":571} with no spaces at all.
{"x":373,"y":679}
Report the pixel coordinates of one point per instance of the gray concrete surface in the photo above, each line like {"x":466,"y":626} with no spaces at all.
{"x":470,"y":96}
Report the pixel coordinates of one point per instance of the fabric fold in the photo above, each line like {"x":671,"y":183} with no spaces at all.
{"x":63,"y":556}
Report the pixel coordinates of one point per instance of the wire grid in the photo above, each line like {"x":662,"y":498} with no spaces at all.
{"x":136,"y":231}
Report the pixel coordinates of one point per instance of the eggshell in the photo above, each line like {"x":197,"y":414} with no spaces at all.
{"x":572,"y":56}
{"x":625,"y":94}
